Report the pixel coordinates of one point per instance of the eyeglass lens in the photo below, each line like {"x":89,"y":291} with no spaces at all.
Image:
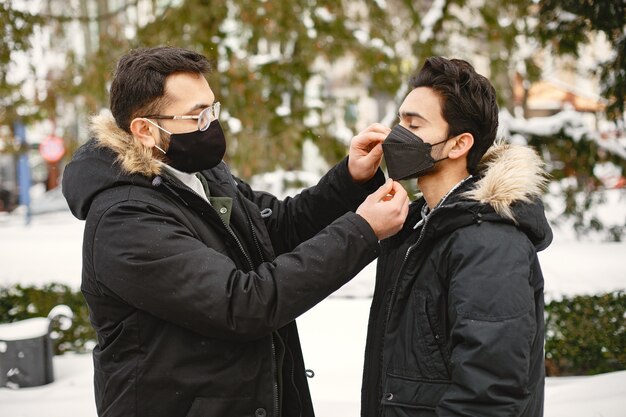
{"x":208,"y":115}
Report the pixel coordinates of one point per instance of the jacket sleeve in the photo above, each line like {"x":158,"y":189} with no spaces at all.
{"x":161,"y":268}
{"x":296,"y":219}
{"x":492,"y":319}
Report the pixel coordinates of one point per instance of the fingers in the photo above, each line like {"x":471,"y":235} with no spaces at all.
{"x":392,"y":191}
{"x":377,"y":127}
{"x":399,"y":192}
{"x":374,"y":134}
{"x":383,"y":190}
{"x":369,"y":138}
{"x":386,"y":209}
{"x":376,"y":152}
{"x":374,"y":156}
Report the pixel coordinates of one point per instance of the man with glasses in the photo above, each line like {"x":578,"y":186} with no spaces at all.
{"x":193,"y":280}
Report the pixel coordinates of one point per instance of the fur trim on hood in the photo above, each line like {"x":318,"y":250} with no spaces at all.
{"x":510,"y":174}
{"x":133,"y":157}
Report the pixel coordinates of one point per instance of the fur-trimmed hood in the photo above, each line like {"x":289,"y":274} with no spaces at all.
{"x":110,"y":159}
{"x":509,"y":174}
{"x":133,"y":157}
{"x":507,"y":189}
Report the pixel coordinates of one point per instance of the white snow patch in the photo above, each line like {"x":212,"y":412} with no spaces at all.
{"x":361,"y":36}
{"x":24,"y":329}
{"x":281,"y":183}
{"x":381,"y":3}
{"x":435,"y":13}
{"x":599,"y":395}
{"x":49,"y":250}
{"x":570,"y":121}
{"x":323,"y":14}
{"x":234,"y":125}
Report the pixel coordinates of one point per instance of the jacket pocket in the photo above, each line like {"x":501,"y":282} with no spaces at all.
{"x":218,"y":407}
{"x":406,"y":396}
{"x":430,"y":337}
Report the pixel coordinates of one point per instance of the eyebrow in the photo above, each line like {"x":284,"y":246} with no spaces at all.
{"x":404,"y":114}
{"x":199,"y":106}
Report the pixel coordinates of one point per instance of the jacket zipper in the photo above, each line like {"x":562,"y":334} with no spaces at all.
{"x":252,"y":230}
{"x":238,"y":244}
{"x":275,"y":376}
{"x":395,"y":287}
{"x":262,"y":258}
{"x":406,"y":257}
{"x":274,"y":361}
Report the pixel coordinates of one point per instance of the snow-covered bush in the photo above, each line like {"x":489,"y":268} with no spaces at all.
{"x":20,"y":302}
{"x":584,"y":334}
{"x":584,"y":167}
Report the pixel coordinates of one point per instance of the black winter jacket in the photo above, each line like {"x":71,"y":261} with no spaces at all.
{"x":456,"y":324}
{"x":194,"y":319}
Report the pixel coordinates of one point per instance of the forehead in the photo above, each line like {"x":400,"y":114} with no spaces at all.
{"x":425,"y":102}
{"x":186,"y":90}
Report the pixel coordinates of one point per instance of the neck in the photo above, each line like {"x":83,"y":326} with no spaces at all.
{"x":436,"y":185}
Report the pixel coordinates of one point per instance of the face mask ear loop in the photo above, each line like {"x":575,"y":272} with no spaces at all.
{"x":442,"y":141}
{"x":169,"y":133}
{"x":151,"y":122}
{"x":445,"y":140}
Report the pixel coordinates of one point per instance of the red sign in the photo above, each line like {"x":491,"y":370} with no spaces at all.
{"x":52,"y":149}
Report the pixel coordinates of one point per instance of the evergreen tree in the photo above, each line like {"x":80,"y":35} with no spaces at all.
{"x":274,"y":60}
{"x":15,"y":32}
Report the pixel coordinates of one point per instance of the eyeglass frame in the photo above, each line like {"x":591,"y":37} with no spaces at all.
{"x":214,"y":114}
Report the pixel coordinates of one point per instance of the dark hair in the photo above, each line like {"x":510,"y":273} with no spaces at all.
{"x":138,"y":86}
{"x":468,"y":102}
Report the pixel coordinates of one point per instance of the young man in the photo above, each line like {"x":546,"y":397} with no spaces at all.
{"x":192,"y":279}
{"x":456,"y":323}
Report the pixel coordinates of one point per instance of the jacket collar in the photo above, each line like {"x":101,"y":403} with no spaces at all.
{"x":133,"y":157}
{"x":507,"y":189}
{"x":509,"y":175}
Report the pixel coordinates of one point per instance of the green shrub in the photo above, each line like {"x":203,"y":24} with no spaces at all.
{"x":23,"y":302}
{"x":586,"y":335}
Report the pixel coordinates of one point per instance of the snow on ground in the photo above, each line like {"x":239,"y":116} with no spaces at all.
{"x":333,"y":333}
{"x":333,"y":340}
{"x":48,"y":250}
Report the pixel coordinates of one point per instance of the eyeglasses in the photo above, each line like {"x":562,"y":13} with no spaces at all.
{"x":204,"y":119}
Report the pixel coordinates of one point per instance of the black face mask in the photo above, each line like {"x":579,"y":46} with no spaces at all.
{"x":407,"y":155}
{"x":196,"y":151}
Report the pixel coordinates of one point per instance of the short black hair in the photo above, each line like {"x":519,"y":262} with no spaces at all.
{"x":468,"y":102}
{"x":138,"y":85}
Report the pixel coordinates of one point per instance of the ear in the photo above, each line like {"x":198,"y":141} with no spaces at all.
{"x":142,"y":130}
{"x":462,"y":145}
